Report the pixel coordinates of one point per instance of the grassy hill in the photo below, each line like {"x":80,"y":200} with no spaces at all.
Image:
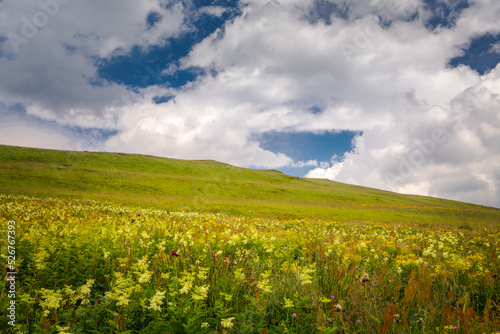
{"x":212,"y":186}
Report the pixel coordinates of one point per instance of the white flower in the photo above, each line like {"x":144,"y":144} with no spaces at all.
{"x":157,"y":301}
{"x":145,"y":277}
{"x":227,"y":323}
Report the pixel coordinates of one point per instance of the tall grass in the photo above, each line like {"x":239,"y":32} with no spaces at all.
{"x":92,"y":267}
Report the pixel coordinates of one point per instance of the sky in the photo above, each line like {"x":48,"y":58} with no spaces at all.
{"x":402,"y":95}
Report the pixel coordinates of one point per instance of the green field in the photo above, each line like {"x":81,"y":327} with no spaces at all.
{"x":210,"y":186}
{"x":116,"y":243}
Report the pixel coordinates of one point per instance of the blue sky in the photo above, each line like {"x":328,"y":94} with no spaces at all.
{"x":399,"y":95}
{"x":307,"y":146}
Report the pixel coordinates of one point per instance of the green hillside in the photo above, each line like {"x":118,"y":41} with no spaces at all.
{"x":212,"y":186}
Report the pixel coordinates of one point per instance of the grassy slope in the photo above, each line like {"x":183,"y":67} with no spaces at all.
{"x":213,"y":186}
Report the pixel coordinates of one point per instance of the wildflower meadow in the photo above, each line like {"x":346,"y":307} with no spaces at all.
{"x":93,"y":267}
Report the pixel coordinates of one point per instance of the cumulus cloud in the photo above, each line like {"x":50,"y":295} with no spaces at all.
{"x":51,"y":49}
{"x":376,"y":67}
{"x":447,"y":151}
{"x":98,"y":29}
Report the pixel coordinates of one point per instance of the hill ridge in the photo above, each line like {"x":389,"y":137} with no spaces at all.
{"x":209,"y":185}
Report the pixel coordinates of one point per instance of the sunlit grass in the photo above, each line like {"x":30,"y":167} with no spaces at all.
{"x":210,"y":186}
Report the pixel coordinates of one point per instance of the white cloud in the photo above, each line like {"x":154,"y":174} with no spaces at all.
{"x":52,"y":47}
{"x":456,"y":156}
{"x":19,"y":129}
{"x":265,"y":71}
{"x":301,"y":164}
{"x":495,"y":48}
{"x":326,"y":173}
{"x":16,"y":134}
{"x":97,"y":29}
{"x":213,"y":10}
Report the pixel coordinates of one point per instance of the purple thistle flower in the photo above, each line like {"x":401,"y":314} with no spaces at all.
{"x":294,"y":315}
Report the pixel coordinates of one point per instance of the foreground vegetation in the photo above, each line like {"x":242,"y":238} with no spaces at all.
{"x":91,"y":267}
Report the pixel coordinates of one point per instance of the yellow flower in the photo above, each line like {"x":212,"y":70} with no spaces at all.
{"x":200,"y":292}
{"x":122,"y":288}
{"x":288,"y":303}
{"x":26,"y":298}
{"x":305,"y":275}
{"x":145,"y":277}
{"x":239,"y":275}
{"x":185,"y":288}
{"x":203,"y":273}
{"x":40,"y":258}
{"x":84,"y":292}
{"x":227,"y":323}
{"x":63,"y":330}
{"x":226,"y":296}
{"x":263,"y":284}
{"x":51,"y":299}
{"x":157,"y":301}
{"x":123,"y":300}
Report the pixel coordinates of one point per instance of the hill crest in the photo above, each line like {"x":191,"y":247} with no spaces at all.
{"x":208,"y":185}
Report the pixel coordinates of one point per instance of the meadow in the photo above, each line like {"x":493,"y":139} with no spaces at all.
{"x":90,"y":266}
{"x":214,"y":187}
